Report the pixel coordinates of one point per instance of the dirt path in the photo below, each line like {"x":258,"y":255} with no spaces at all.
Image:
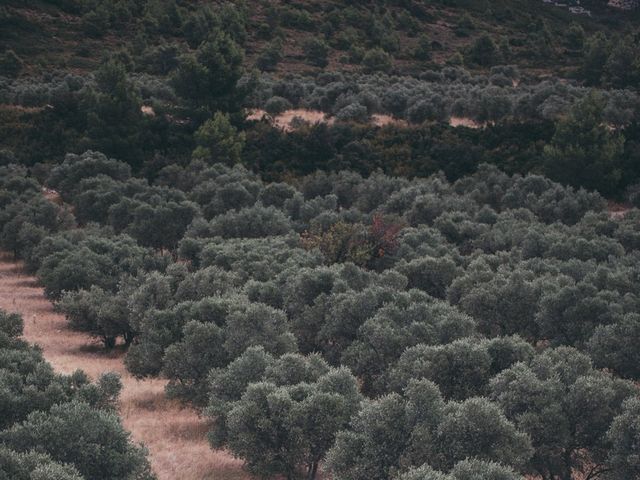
{"x":175,"y":436}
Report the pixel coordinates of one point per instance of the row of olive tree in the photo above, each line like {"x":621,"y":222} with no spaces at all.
{"x":436,"y":96}
{"x":462,"y":281}
{"x":61,"y":427}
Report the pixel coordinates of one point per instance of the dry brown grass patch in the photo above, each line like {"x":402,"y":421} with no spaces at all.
{"x":174,"y":435}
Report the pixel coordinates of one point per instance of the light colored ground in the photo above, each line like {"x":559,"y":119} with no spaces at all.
{"x":285,"y":119}
{"x":175,"y":436}
{"x":464,"y":122}
{"x":617,"y":210}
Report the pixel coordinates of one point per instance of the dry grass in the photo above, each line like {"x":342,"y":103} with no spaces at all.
{"x":381,"y":120}
{"x":174,"y":435}
{"x":617,"y":210}
{"x":464,"y":122}
{"x":285,"y":122}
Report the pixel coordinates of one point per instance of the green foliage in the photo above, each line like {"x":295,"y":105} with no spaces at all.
{"x":595,"y":57}
{"x":98,"y":313}
{"x":28,"y":221}
{"x":566,"y":407}
{"x":66,"y":177}
{"x":421,"y":427}
{"x":404,"y":321}
{"x":423,"y":49}
{"x":287,"y":420}
{"x":187,"y":363}
{"x":575,"y":36}
{"x":623,"y":434}
{"x":26,"y":217}
{"x":296,"y":18}
{"x":476,"y":469}
{"x":465,"y":25}
{"x":97,"y":21}
{"x":91,"y":440}
{"x":115,"y":119}
{"x":218,"y":141}
{"x":462,"y":368}
{"x":477,"y":428}
{"x":163,"y":16}
{"x":277,"y":105}
{"x":270,"y":57}
{"x":199,"y":25}
{"x":613,"y":346}
{"x":465,"y":470}
{"x":584,"y":151}
{"x":380,"y":433}
{"x":258,"y":325}
{"x":158,"y":223}
{"x":426,"y":276}
{"x":59,"y":427}
{"x":611,"y":61}
{"x":451,"y":297}
{"x":207,"y":78}
{"x":34,"y":466}
{"x":11,"y":325}
{"x":159,"y":60}
{"x":483,"y":52}
{"x":251,"y":222}
{"x":623,"y":67}
{"x":503,"y":305}
{"x":316,"y":51}
{"x":94,"y":196}
{"x":10,"y":64}
{"x":377,"y":60}
{"x":424,"y":472}
{"x":87,"y":261}
{"x":431,"y":275}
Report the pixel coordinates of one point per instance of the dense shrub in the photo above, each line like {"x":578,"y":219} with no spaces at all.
{"x":59,"y":426}
{"x":316,"y":51}
{"x":433,"y":294}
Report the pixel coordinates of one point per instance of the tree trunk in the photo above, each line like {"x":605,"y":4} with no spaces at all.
{"x":109,"y":342}
{"x":313,"y":470}
{"x":128,"y":338}
{"x":566,"y":471}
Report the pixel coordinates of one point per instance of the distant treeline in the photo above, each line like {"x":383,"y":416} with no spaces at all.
{"x":581,"y":137}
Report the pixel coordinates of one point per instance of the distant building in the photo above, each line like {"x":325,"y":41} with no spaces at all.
{"x":625,"y":4}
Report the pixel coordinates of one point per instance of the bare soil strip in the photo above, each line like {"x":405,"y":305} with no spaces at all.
{"x":174,"y":435}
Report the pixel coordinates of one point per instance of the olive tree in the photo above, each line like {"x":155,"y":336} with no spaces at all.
{"x":34,"y":466}
{"x":624,"y":435}
{"x":566,"y":407}
{"x":91,"y":440}
{"x":98,"y":313}
{"x":396,"y":431}
{"x":462,"y":368}
{"x":281,"y":415}
{"x":66,"y":177}
{"x":613,"y":346}
{"x":404,"y":321}
{"x":465,"y":470}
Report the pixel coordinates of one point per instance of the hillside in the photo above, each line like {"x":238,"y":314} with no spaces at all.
{"x":137,"y":80}
{"x":330,"y":239}
{"x":74,"y":35}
